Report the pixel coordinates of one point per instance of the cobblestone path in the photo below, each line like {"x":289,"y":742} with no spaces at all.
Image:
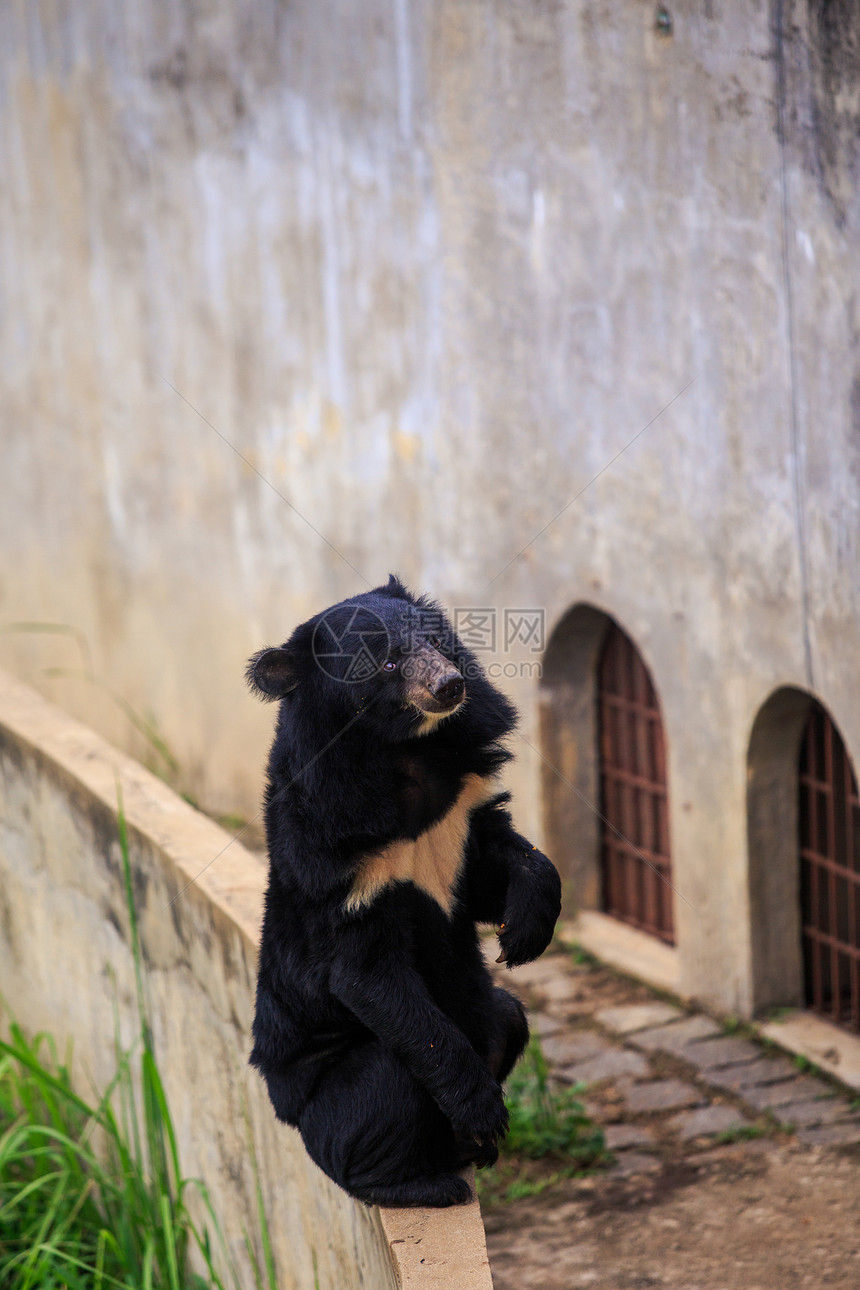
{"x":667,"y":1075}
{"x":735,"y":1169}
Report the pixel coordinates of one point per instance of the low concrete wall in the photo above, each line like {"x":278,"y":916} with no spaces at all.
{"x":65,"y":959}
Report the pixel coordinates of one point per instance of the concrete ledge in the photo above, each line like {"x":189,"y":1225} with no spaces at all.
{"x":625,"y":948}
{"x":438,"y":1249}
{"x":65,"y":961}
{"x":833,"y":1050}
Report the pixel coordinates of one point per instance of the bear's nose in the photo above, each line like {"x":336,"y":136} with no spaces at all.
{"x":449,"y":690}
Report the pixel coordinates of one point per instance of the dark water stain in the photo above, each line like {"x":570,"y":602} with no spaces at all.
{"x":821,"y":63}
{"x":7,"y":926}
{"x":834,"y":38}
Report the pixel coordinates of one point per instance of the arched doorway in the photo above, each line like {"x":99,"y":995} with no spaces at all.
{"x":829,"y":838}
{"x":606,"y":824}
{"x":636,"y":863}
{"x":570,"y":783}
{"x":803,"y":823}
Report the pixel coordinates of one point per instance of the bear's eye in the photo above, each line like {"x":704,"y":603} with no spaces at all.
{"x":389,"y":665}
{"x":435,"y":642}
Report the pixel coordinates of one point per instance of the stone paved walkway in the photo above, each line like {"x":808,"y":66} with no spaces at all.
{"x":663,"y":1080}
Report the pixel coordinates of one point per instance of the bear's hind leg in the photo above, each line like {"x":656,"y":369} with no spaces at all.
{"x":434,"y":1191}
{"x":377,"y":1133}
{"x":510,"y":1034}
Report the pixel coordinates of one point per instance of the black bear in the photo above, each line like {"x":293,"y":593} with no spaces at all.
{"x":378,"y":1029}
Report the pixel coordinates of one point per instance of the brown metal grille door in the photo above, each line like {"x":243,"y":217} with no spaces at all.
{"x":635,"y":856}
{"x":829,"y":873}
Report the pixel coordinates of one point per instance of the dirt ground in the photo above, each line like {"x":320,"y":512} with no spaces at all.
{"x":765,"y":1213}
{"x":757,"y":1215}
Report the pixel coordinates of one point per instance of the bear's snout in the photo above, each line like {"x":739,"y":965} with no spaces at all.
{"x":433,"y":685}
{"x":449,"y":689}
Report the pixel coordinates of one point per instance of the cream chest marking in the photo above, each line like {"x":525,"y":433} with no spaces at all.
{"x":432,"y":861}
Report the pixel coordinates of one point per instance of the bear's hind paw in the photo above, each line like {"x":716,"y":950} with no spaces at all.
{"x":432,"y":1192}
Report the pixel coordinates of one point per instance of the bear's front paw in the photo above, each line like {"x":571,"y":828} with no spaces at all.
{"x":484,"y":1117}
{"x":522,"y":940}
{"x":533,"y":907}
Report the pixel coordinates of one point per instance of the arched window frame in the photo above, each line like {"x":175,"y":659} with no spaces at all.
{"x":774,"y":848}
{"x":636,"y":857}
{"x":829,"y":846}
{"x":569,"y":739}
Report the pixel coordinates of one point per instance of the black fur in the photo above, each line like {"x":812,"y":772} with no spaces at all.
{"x":379,"y":1032}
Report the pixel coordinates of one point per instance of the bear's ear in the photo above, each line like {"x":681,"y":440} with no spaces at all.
{"x":394,"y":587}
{"x":271,"y":673}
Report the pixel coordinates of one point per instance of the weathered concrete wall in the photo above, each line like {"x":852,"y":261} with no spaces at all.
{"x":66,"y":964}
{"x":429,"y":267}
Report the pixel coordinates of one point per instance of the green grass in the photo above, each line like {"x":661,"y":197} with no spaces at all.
{"x":92,"y":1193}
{"x":740,"y":1027}
{"x":742,"y":1133}
{"x":232,"y":821}
{"x":547,"y":1118}
{"x":550,"y":1137}
{"x":581,"y":957}
{"x":805,"y":1066}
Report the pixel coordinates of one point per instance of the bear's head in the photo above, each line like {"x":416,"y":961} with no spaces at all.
{"x":386,"y":654}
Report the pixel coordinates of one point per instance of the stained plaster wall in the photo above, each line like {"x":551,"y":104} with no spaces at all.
{"x":429,"y":268}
